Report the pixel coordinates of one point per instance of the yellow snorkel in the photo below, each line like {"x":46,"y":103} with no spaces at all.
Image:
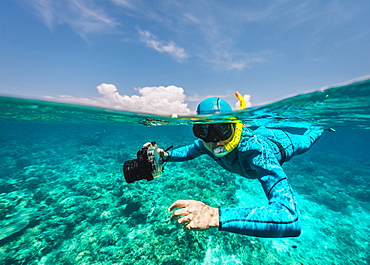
{"x":237,"y":133}
{"x":243,"y":104}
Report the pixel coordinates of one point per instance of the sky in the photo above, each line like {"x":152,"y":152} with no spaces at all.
{"x":165,"y":56}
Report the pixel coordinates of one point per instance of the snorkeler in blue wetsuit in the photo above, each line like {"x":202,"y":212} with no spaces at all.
{"x":257,"y":154}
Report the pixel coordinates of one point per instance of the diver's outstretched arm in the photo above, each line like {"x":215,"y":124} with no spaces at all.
{"x":184,"y":153}
{"x":280,"y":218}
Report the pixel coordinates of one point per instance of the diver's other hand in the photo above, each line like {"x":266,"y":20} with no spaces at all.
{"x":329,"y":130}
{"x":195,"y":215}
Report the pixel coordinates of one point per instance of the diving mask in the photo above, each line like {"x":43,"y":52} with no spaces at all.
{"x":213,"y":132}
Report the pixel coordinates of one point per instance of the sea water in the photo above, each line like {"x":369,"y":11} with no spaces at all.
{"x":63,"y":198}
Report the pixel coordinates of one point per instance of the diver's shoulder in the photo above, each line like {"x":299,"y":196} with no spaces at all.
{"x":251,"y":141}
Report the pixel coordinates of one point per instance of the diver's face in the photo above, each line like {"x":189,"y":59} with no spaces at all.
{"x":212,"y":145}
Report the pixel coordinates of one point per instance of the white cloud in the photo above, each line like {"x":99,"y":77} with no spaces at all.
{"x":87,"y":19}
{"x":154,"y":100}
{"x":221,"y":33}
{"x":158,"y":100}
{"x":217,"y":36}
{"x":206,"y":33}
{"x":83,"y":16}
{"x":162,"y":46}
{"x":124,"y":3}
{"x":244,"y":61}
{"x":45,"y":9}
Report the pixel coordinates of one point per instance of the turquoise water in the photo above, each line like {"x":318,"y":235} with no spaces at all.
{"x":63,"y":199}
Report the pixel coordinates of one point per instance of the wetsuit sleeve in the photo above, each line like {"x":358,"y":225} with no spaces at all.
{"x":281,"y":217}
{"x":186,"y":153}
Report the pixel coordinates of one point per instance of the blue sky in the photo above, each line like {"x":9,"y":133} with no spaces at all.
{"x":172,"y":54}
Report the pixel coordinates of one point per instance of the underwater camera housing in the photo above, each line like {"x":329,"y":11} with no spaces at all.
{"x":148,"y":164}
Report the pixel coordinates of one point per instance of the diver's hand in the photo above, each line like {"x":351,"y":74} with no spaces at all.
{"x":163,"y":154}
{"x":195,"y":215}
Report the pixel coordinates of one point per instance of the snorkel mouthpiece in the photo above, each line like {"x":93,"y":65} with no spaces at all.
{"x":220,"y":151}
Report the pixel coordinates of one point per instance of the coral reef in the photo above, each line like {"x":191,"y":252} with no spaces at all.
{"x":64,"y":201}
{"x":14,"y":223}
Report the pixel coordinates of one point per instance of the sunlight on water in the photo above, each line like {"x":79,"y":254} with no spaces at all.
{"x":63,"y":199}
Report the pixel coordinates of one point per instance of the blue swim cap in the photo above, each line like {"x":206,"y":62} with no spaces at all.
{"x":212,"y":106}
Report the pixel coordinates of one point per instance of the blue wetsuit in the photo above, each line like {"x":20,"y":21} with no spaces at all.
{"x":259,"y":155}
